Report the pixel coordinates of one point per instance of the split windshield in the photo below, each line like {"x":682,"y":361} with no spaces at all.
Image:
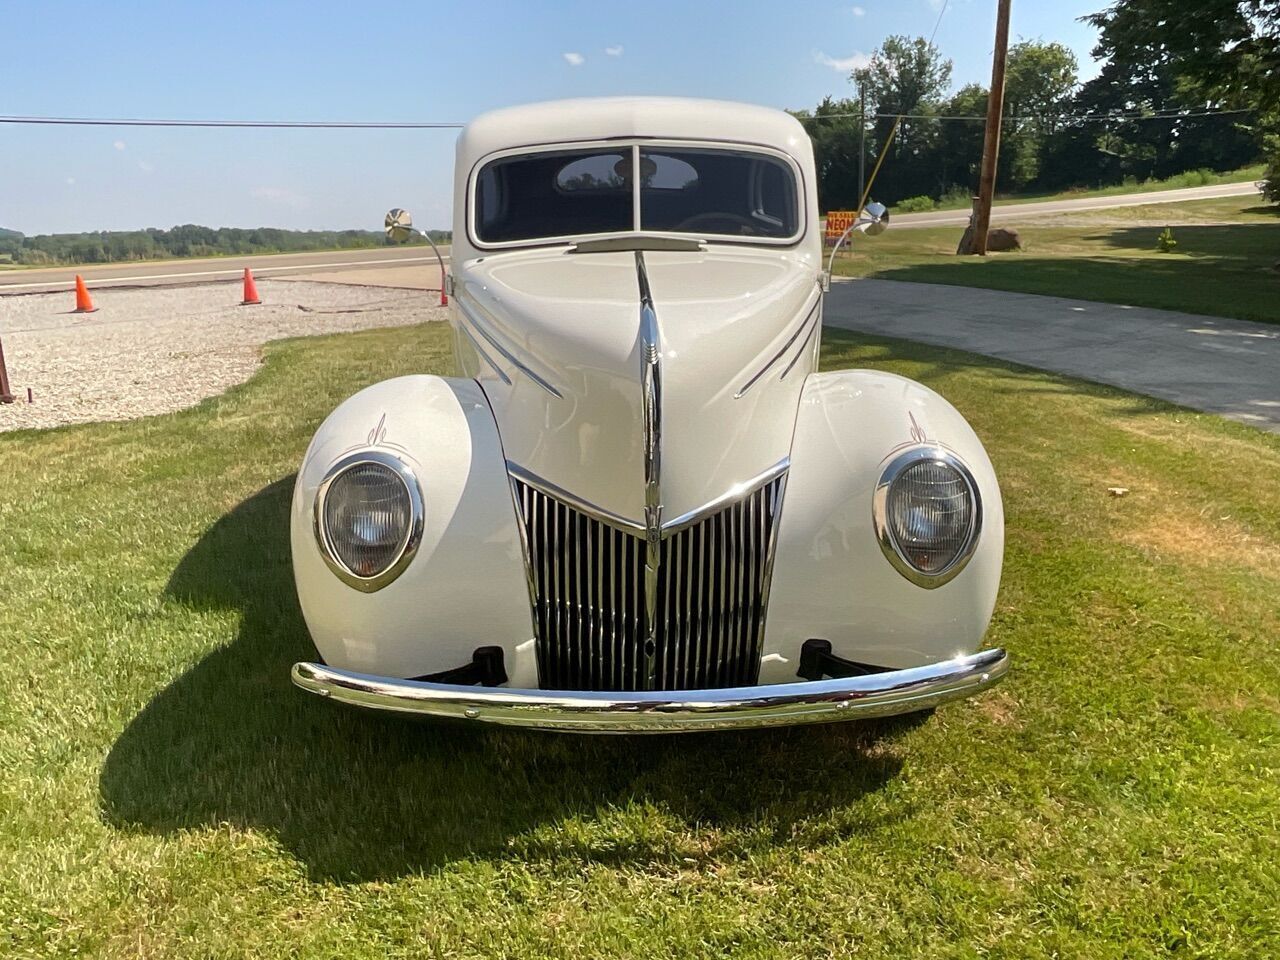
{"x":695,"y":190}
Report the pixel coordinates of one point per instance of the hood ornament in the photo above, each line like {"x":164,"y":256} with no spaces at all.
{"x":651,"y":408}
{"x":917,"y":432}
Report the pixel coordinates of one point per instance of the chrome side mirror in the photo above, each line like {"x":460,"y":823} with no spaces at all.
{"x":873,"y":221}
{"x":399,"y":225}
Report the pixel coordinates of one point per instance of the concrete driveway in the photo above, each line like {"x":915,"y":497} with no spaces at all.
{"x":1230,"y":367}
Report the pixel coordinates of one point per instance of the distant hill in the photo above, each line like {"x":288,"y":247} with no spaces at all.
{"x":188,"y":240}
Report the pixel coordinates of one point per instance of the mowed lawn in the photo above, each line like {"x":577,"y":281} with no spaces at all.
{"x":167,"y":793}
{"x":1224,"y":263}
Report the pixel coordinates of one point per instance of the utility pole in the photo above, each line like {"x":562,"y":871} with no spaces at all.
{"x":991,"y":138}
{"x":862,"y":141}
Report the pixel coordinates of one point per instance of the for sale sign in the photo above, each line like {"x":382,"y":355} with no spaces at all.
{"x":838,"y":221}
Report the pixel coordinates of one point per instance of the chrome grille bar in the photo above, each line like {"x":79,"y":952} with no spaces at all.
{"x":594,"y":615}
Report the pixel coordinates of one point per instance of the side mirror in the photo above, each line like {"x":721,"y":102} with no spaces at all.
{"x":399,"y":225}
{"x":874,"y":220}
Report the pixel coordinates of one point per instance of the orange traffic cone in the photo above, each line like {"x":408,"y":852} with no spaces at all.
{"x":250,"y":290}
{"x":83,"y":303}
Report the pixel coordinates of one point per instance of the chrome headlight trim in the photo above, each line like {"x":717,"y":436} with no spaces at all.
{"x":409,"y":543}
{"x":884,"y":530}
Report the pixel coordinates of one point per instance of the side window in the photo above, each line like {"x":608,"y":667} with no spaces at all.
{"x":772,"y":193}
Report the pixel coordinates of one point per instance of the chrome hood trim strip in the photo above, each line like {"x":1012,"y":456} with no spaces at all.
{"x":585,"y":506}
{"x":651,"y":407}
{"x":469,"y":315}
{"x":807,"y":324}
{"x":737,"y":492}
{"x":674,"y":711}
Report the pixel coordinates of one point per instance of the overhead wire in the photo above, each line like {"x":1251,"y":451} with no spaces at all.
{"x":252,"y":124}
{"x":893,"y":132}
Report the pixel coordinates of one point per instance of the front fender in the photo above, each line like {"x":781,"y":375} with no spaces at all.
{"x":831,"y":580}
{"x":466,"y":586}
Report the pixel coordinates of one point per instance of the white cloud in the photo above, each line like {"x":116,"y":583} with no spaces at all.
{"x":856,"y":61}
{"x":614,"y":51}
{"x":71,"y":181}
{"x":119,"y":144}
{"x":936,"y":4}
{"x":574,"y":59}
{"x":859,"y":12}
{"x":281,"y":196}
{"x":144,"y":166}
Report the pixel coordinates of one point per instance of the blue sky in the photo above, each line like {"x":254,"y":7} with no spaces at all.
{"x":396,"y":61}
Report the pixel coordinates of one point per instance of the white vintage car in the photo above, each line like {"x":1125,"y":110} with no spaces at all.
{"x":638,"y":507}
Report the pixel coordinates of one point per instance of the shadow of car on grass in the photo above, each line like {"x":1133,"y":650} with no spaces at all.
{"x":361,"y":796}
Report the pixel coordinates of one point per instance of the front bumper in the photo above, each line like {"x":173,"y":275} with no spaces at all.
{"x":667,"y":711}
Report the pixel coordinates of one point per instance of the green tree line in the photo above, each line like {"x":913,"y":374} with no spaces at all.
{"x":1171,"y":70}
{"x":187,"y":240}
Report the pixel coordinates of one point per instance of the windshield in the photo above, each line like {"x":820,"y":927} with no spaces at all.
{"x":703,"y":191}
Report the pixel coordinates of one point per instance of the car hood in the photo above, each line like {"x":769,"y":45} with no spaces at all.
{"x":560,"y":337}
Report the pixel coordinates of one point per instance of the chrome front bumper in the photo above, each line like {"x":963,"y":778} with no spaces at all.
{"x":667,"y":711}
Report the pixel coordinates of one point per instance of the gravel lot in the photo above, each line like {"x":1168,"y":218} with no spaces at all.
{"x":151,"y":350}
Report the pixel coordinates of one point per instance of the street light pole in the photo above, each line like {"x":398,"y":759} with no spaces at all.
{"x":991,"y":136}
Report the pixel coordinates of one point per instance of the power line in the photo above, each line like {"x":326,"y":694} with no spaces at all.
{"x":253,"y":124}
{"x":937,"y":23}
{"x":432,"y":125}
{"x":1064,"y":117}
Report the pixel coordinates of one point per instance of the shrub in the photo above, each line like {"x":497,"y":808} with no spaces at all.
{"x":1165,"y":242}
{"x":916,"y":205}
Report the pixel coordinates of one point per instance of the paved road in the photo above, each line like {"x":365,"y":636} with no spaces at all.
{"x":167,"y":272}
{"x":1008,"y":211}
{"x":1229,"y":367}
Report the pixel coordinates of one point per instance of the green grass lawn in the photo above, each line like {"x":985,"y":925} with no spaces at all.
{"x":1223,"y":265}
{"x":167,"y":793}
{"x":1181,"y":181}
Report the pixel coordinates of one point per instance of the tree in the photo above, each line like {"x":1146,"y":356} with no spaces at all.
{"x":904,"y":77}
{"x":960,"y":141}
{"x":1040,"y":79}
{"x":833,"y":128}
{"x":1174,"y":56}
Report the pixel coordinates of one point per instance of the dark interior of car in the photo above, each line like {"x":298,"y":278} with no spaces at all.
{"x":571,"y":193}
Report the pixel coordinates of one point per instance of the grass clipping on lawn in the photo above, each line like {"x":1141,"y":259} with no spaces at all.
{"x":167,"y":793}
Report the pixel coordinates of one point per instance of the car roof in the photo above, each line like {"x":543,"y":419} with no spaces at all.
{"x":607,"y":118}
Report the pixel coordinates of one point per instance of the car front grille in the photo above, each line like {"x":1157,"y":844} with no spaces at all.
{"x":587,"y":584}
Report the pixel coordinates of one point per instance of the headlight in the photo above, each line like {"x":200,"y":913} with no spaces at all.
{"x":369,"y":518}
{"x":927,"y":514}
